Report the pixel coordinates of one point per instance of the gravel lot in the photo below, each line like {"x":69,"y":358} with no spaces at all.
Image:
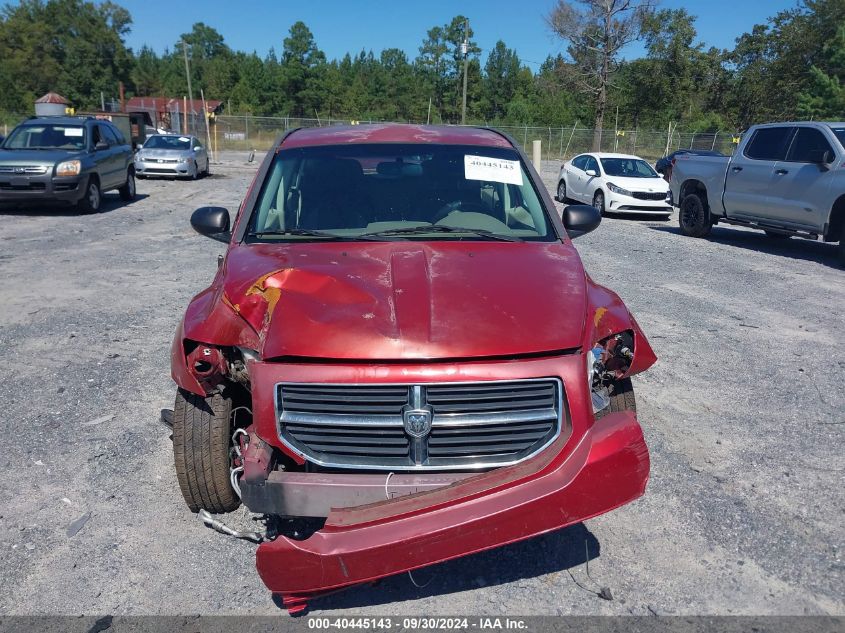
{"x":744,"y":415}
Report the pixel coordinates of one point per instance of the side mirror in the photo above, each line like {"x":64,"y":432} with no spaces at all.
{"x":212,"y":222}
{"x":592,"y":173}
{"x":101,"y":145}
{"x":579,"y":219}
{"x":821,"y":156}
{"x":197,"y":148}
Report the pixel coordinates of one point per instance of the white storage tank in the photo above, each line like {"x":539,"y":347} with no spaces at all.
{"x":51,"y":104}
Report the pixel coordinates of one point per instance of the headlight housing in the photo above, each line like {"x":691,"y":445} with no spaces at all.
{"x":619,"y":190}
{"x":69,"y":168}
{"x":607,"y":361}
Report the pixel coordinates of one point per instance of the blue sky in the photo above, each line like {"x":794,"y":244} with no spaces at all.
{"x":342,"y":26}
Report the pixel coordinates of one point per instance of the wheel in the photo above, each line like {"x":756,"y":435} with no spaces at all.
{"x":598,"y":201}
{"x":561,"y":191}
{"x":207,"y":171}
{"x":196,"y":173}
{"x":694,"y":217}
{"x":840,"y":250}
{"x":777,"y":236}
{"x":621,"y":398}
{"x":90,"y":202}
{"x":127,"y":191}
{"x":202,"y":436}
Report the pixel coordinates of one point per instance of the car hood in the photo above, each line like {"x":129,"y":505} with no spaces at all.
{"x":408,"y":300}
{"x":165,"y":153}
{"x":36,"y":156}
{"x":640,"y":184}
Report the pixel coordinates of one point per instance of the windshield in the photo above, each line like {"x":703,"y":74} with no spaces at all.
{"x":168,"y":142}
{"x":840,"y":134}
{"x":628,"y":168}
{"x":398,"y":192}
{"x":49,"y":136}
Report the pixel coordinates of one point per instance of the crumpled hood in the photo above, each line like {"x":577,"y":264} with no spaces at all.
{"x":408,"y":300}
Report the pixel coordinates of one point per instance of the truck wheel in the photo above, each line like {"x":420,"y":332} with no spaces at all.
{"x":202,"y":435}
{"x":90,"y":201}
{"x":694,"y":217}
{"x":127,"y":191}
{"x":621,"y":399}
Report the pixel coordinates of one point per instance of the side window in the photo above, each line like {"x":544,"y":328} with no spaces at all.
{"x":769,"y":143}
{"x":95,"y":135}
{"x":196,"y":143}
{"x":121,"y":140}
{"x":592,"y":163}
{"x":579,"y":162}
{"x":806,"y":140}
{"x":108,"y":135}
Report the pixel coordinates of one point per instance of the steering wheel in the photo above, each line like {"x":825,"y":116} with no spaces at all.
{"x":459,"y":205}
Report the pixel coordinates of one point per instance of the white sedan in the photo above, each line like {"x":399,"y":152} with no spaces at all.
{"x":616,"y":183}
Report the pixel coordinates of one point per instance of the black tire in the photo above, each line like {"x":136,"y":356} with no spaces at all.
{"x":621,"y":398}
{"x":777,"y":236}
{"x":598,"y":201}
{"x":202,"y":436}
{"x":840,"y":250}
{"x":196,"y":174}
{"x":694,"y":216}
{"x":561,"y":191}
{"x":92,"y":198}
{"x":127,"y":191}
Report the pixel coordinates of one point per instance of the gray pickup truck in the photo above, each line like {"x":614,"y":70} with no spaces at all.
{"x":784,"y":178}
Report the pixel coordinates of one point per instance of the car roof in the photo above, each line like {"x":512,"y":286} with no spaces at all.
{"x":613,"y":155}
{"x":395,"y":133}
{"x":58,"y":120}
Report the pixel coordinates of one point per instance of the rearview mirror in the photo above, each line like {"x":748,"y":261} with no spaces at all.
{"x":212,"y":222}
{"x":579,"y":219}
{"x":821,"y":156}
{"x":592,"y":173}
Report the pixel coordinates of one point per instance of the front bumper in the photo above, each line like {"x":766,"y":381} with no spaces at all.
{"x":153,"y":167}
{"x":593,"y":468}
{"x":616,"y":203}
{"x":40,"y":188}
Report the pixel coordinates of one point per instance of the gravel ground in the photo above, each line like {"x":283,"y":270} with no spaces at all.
{"x":743,"y":415}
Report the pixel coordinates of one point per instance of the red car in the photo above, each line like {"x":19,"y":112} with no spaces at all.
{"x":401,"y":359}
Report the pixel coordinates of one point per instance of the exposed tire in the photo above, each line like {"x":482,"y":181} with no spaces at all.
{"x":202,"y":436}
{"x":196,"y":173}
{"x":127,"y":191}
{"x":561,"y":191}
{"x":694,"y":216}
{"x":93,"y":197}
{"x":621,"y":399}
{"x":598,"y":201}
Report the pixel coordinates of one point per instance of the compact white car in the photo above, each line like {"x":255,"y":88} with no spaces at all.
{"x":617,"y":183}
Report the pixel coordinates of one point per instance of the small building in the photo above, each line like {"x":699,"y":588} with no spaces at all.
{"x":169,"y":112}
{"x":51,"y":104}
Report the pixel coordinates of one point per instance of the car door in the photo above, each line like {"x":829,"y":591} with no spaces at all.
{"x":801,"y":191}
{"x":751,"y":173}
{"x":201,"y":154}
{"x":109,"y":160}
{"x":591,"y":183}
{"x":574,"y":177}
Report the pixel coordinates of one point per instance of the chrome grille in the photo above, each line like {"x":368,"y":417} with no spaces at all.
{"x":23,"y":169}
{"x":471,"y":425}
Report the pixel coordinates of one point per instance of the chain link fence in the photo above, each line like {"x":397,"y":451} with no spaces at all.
{"x":247,"y":132}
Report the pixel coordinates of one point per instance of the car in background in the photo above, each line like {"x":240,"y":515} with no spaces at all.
{"x":173,"y":155}
{"x":70,"y":160}
{"x":617,"y":183}
{"x":784,"y":178}
{"x":375,"y":356}
{"x":663,"y":166}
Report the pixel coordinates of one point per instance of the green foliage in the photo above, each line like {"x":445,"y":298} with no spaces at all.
{"x":792,"y":66}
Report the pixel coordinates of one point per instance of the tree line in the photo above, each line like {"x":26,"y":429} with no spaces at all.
{"x":793,"y":66}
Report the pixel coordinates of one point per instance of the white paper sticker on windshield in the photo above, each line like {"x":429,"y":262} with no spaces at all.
{"x":492,"y":169}
{"x":73,"y":131}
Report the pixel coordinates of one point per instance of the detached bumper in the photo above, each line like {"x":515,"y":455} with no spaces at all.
{"x":608,"y":468}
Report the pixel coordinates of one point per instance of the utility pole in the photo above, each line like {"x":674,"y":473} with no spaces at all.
{"x":465,"y":51}
{"x":188,"y":77}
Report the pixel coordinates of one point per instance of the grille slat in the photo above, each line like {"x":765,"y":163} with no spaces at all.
{"x":473,"y":425}
{"x":647,"y":195}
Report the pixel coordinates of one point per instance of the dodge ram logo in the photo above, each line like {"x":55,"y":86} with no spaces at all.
{"x":417,"y":422}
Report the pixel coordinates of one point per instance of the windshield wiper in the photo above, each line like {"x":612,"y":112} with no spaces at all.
{"x":312,"y":233}
{"x":441,"y":228}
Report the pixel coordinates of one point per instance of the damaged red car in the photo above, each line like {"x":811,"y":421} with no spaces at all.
{"x":401,"y":359}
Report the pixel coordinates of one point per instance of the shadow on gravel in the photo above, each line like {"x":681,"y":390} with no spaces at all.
{"x":551,"y":553}
{"x":111,"y":202}
{"x":794,"y":248}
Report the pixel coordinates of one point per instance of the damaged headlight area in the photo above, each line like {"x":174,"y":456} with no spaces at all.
{"x":212,"y":365}
{"x":607,"y":362}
